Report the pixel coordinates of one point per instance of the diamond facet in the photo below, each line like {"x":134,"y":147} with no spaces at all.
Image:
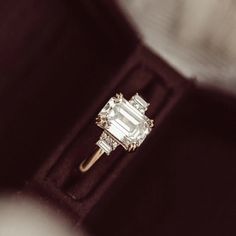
{"x":107,"y":143}
{"x":126,"y":122}
{"x":139,"y":103}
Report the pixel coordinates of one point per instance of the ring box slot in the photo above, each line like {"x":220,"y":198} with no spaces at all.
{"x":61,"y":171}
{"x":81,"y":148}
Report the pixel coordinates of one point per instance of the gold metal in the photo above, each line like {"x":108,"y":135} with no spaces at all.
{"x":118,"y":98}
{"x":101,"y":121}
{"x":90,"y":161}
{"x":151,"y":123}
{"x":132,"y":147}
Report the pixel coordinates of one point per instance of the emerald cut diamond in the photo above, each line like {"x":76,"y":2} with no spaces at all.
{"x":124,"y":122}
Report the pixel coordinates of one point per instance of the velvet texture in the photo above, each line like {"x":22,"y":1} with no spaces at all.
{"x":159,"y":84}
{"x":62,"y":61}
{"x":183,"y":182}
{"x":56,"y":57}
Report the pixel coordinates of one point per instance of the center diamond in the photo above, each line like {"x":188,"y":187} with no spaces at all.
{"x":128,"y":125}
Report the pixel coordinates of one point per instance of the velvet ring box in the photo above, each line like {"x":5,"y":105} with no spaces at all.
{"x":60,"y":62}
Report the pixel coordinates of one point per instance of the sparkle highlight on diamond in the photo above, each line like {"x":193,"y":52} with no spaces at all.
{"x":124,"y":122}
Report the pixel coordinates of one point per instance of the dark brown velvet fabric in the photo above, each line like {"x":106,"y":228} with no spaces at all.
{"x":56,"y":57}
{"x":159,"y":84}
{"x":183,"y":182}
{"x":61,"y":61}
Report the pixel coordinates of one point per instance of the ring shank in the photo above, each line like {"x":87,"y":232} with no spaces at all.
{"x":90,"y":161}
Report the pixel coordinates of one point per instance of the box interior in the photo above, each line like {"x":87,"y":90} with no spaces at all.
{"x":159,"y":85}
{"x":184,"y":180}
{"x":56,"y":57}
{"x":61,"y":61}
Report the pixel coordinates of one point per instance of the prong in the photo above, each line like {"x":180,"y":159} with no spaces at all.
{"x":132,"y":147}
{"x":151,"y":123}
{"x":118,"y":97}
{"x":98,"y":119}
{"x":101,"y":121}
{"x":129,"y":147}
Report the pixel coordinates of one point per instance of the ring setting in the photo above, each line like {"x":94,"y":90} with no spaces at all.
{"x":124,"y":123}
